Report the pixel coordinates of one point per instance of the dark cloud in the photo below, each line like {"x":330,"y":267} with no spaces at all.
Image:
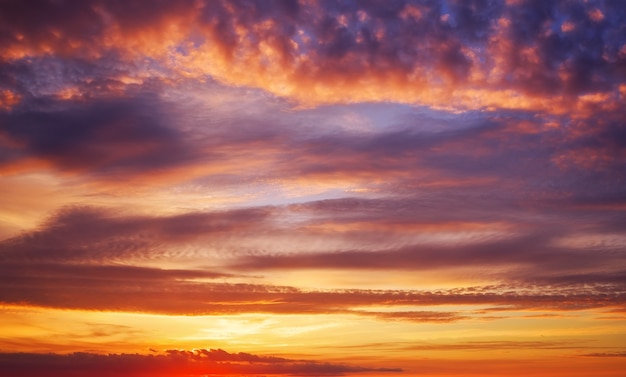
{"x":43,"y":22}
{"x":529,"y":254}
{"x":200,"y":362}
{"x":569,"y":49}
{"x":115,"y":138}
{"x":519,"y":150}
{"x":606,"y":354}
{"x":86,"y":234}
{"x":616,"y":279}
{"x":388,"y":231}
{"x":85,"y":273}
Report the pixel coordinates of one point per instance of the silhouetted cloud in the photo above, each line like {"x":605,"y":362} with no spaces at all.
{"x":200,"y":362}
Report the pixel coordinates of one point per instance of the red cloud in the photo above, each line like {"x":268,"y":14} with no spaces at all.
{"x":171,"y":364}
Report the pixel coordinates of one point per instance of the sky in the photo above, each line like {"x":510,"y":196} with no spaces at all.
{"x":371,"y":188}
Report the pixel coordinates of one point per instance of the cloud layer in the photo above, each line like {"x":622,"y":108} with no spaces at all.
{"x":513,"y":54}
{"x":405,"y":165}
{"x":182,"y":363}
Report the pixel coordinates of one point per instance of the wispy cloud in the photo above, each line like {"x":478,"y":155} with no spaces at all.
{"x":606,"y":354}
{"x":118,"y":288}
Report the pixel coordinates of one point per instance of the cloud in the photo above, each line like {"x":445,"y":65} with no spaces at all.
{"x":87,"y":234}
{"x":173,"y":362}
{"x":359,"y":234}
{"x":187,"y":292}
{"x":155,"y":138}
{"x":98,"y":259}
{"x":531,"y":255}
{"x":499,"y":345}
{"x":224,"y":155}
{"x":606,"y":354}
{"x":416,"y":316}
{"x":115,"y":137}
{"x":501,"y":54}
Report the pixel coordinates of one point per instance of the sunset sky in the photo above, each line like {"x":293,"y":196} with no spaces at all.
{"x":317,"y":187}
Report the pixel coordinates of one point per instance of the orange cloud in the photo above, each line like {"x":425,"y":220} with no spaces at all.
{"x":8,"y":99}
{"x":172,"y":363}
{"x":317,"y":53}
